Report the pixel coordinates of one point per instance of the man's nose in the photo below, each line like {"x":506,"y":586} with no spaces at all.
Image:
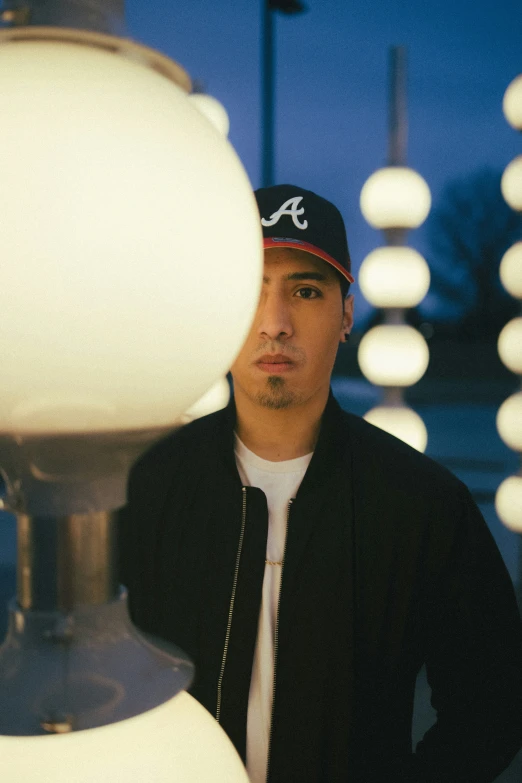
{"x":275,"y":321}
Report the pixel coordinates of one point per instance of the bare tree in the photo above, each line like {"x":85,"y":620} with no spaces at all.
{"x":469,"y":230}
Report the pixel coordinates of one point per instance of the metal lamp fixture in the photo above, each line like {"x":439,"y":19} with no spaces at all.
{"x":395,"y":199}
{"x":116,"y":200}
{"x":508,"y":500}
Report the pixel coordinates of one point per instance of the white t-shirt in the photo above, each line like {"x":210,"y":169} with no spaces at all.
{"x":280,"y":482}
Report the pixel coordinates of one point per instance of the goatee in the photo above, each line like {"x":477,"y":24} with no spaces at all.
{"x":277,"y":396}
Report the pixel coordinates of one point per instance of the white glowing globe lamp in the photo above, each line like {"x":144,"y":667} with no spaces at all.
{"x":395,"y":197}
{"x":510,"y":345}
{"x":512,"y":103}
{"x":394,"y":277}
{"x":213,"y":400}
{"x":511,"y":270}
{"x":177,"y":741}
{"x":213,"y":110}
{"x":509,"y":421}
{"x":131,"y":245}
{"x":508,"y":503}
{"x":403,"y":422}
{"x":511,"y":184}
{"x":393,"y":355}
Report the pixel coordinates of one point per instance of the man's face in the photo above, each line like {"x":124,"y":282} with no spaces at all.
{"x":289,"y":353}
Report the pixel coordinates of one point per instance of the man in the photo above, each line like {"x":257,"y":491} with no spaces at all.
{"x":311,"y":564}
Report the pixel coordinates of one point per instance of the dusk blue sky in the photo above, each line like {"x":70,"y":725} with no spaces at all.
{"x":331,"y":88}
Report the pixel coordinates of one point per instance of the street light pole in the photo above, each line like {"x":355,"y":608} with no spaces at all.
{"x":267,"y":80}
{"x":267,"y":173}
{"x":395,"y":199}
{"x":398,"y":117}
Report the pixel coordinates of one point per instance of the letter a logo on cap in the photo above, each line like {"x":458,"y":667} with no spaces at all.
{"x":290,"y":207}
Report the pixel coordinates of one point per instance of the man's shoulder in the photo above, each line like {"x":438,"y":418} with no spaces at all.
{"x":182,"y":443}
{"x":385,"y":455}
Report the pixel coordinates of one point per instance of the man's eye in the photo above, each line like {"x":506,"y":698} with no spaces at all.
{"x":308,"y":293}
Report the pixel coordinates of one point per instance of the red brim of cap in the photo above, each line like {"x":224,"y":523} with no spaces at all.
{"x":269,"y":242}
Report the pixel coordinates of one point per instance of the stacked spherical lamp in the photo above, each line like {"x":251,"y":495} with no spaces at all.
{"x":117,"y":198}
{"x":508,"y":501}
{"x":393,"y":278}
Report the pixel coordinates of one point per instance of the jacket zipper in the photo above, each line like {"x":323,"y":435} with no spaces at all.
{"x":231,"y":607}
{"x":276,"y":646}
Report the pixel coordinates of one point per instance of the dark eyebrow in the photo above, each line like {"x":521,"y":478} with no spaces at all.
{"x":307,"y":276}
{"x":304,"y":276}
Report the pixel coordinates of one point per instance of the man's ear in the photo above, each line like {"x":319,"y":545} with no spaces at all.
{"x":347,"y":319}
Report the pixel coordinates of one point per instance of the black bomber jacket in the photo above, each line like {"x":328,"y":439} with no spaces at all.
{"x":389,"y":566}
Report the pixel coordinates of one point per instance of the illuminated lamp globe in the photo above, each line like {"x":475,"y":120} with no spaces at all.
{"x":512,"y":103}
{"x":508,"y":503}
{"x":213,"y":400}
{"x":394,"y":277}
{"x":511,"y":270}
{"x":511,"y":184}
{"x":395,"y":197}
{"x":124,"y":300}
{"x":177,"y":741}
{"x":402,"y":422}
{"x":510,"y":345}
{"x":509,"y":421}
{"x":130,"y":233}
{"x":392,"y":355}
{"x":213,"y":110}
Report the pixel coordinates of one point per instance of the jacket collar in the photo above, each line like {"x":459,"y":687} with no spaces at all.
{"x":328,"y":451}
{"x":329,"y":469}
{"x":330,"y":443}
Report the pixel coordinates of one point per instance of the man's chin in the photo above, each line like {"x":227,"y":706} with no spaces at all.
{"x":276,"y":395}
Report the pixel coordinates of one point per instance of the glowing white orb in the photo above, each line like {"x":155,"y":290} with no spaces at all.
{"x":177,"y":741}
{"x":402,"y":422}
{"x":511,"y":184}
{"x":394,"y":277}
{"x":509,"y":421}
{"x":213,"y":110}
{"x":508,"y":503}
{"x":131,"y":245}
{"x":510,"y":345}
{"x":512,"y":103}
{"x":213,"y":400}
{"x":395,"y":197}
{"x":511,"y":270}
{"x":393,"y":355}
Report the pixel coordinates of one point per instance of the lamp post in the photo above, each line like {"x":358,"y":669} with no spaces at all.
{"x":268,"y":7}
{"x":116,"y":202}
{"x":508,"y":500}
{"x":395,"y":277}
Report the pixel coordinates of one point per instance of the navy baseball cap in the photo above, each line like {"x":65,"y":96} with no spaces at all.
{"x":294,"y":217}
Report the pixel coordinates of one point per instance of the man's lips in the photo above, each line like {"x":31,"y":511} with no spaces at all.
{"x":277,"y":362}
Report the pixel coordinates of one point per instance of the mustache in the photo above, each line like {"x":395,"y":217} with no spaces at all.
{"x":275,"y":346}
